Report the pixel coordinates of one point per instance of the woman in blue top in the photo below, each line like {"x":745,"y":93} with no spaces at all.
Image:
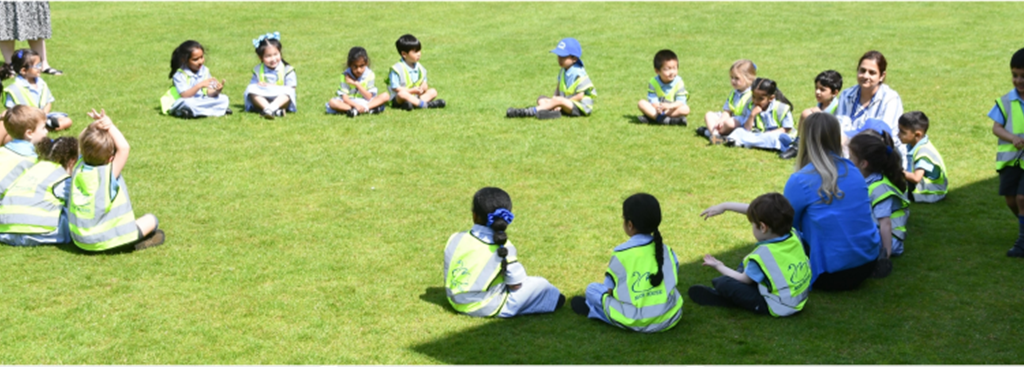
{"x":871,"y":98}
{"x":832,"y":208}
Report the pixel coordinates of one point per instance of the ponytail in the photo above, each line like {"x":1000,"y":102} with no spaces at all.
{"x":768,"y":86}
{"x":645,"y":213}
{"x":493,"y":205}
{"x":879,"y":151}
{"x":659,"y":256}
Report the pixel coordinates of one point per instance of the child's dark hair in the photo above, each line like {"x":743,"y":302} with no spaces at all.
{"x":21,"y":58}
{"x":1017,"y":61}
{"x":831,"y":79}
{"x":63,"y":150}
{"x":262,"y":47}
{"x":488,"y":200}
{"x":181,"y":55}
{"x":914,"y":121}
{"x":407,"y":43}
{"x":662,"y":57}
{"x":357,"y":53}
{"x":774,"y":211}
{"x":644,"y":211}
{"x":768,"y":86}
{"x":877,"y":57}
{"x":881,"y":154}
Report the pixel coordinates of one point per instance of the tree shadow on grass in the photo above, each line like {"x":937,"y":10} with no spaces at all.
{"x":891,"y":320}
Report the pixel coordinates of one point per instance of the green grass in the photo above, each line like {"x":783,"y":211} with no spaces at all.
{"x":318,"y":239}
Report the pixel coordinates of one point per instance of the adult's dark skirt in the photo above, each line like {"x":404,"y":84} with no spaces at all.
{"x":24,"y":20}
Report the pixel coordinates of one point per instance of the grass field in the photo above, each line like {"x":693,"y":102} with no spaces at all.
{"x":319,"y":239}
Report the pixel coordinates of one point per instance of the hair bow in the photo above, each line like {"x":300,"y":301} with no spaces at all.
{"x":21,"y":53}
{"x":500,"y":213}
{"x":755,"y":65}
{"x":268,"y":36}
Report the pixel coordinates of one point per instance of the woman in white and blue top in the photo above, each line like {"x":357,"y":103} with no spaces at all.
{"x":767,"y":121}
{"x":194,"y":93}
{"x":271,"y":91}
{"x":870,"y":98}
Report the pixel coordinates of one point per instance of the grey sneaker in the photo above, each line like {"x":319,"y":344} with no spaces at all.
{"x":155,"y":239}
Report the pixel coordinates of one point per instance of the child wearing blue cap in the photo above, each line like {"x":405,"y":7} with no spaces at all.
{"x":574,"y":94}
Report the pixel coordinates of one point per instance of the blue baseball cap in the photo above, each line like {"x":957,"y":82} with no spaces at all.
{"x":568,"y":47}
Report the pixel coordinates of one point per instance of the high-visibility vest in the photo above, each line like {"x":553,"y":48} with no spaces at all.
{"x":353,"y":88}
{"x":403,"y":74}
{"x":781,"y":109}
{"x":97,"y":221}
{"x":831,"y":109}
{"x":1006,"y":153}
{"x":582,"y":84}
{"x":929,"y":190}
{"x":261,"y":73}
{"x":12,"y":165}
{"x":787,"y":272}
{"x":474,"y":281}
{"x":736,"y":106}
{"x":883,"y":189}
{"x":172,"y":94}
{"x":22,"y":96}
{"x":634,"y":303}
{"x":655,"y":86}
{"x":30,"y":205}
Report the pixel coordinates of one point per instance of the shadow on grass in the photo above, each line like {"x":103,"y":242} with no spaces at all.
{"x":891,"y":320}
{"x":436,"y":295}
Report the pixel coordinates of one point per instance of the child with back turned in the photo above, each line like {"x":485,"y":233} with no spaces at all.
{"x":32,"y":211}
{"x":100,"y":213}
{"x":878,"y":160}
{"x":666,"y":93}
{"x":776,"y":276}
{"x":25,"y":126}
{"x":1008,"y":125}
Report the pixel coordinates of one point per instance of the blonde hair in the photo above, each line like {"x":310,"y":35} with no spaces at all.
{"x":21,"y":119}
{"x":97,"y":146}
{"x":820,"y":143}
{"x":745,"y":69}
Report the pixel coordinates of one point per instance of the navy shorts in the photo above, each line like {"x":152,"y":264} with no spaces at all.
{"x":1011,"y":181}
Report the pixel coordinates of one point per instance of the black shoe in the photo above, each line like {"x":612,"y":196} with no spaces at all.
{"x":730,"y":142}
{"x":437,"y":103}
{"x":643,"y":119}
{"x":548,"y":115}
{"x":520,"y":112}
{"x":155,"y":239}
{"x":278,"y":113}
{"x":561,"y":301}
{"x":379,"y":109}
{"x":228,"y":112}
{"x":883,"y":267}
{"x":707,"y":296}
{"x":702,"y":131}
{"x":579,"y":306}
{"x":788,"y":153}
{"x":680,"y":121}
{"x":352,"y":112}
{"x":1015,"y":251}
{"x":186,"y":114}
{"x":404,"y":106}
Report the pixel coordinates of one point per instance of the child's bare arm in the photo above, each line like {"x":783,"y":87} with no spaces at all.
{"x":718,"y":265}
{"x":885,"y":230}
{"x":914,"y":177}
{"x":46,"y":109}
{"x":1001,"y":132}
{"x":578,"y":97}
{"x":721,"y":208}
{"x":121,"y":147}
{"x":188,"y":93}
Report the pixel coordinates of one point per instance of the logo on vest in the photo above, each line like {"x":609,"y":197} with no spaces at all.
{"x":641,"y":286}
{"x":799,"y":274}
{"x":456,"y":282}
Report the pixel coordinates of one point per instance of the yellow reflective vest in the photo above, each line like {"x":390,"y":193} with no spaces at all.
{"x":634,"y":303}
{"x":1006,"y":153}
{"x":884,"y":189}
{"x":12,"y":165}
{"x":787,"y":273}
{"x":30,"y":206}
{"x":474,"y":280}
{"x":97,"y":221}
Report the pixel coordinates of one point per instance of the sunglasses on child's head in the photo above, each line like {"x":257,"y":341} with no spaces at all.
{"x":38,"y":66}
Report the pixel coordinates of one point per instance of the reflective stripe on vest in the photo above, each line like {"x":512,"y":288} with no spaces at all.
{"x":737,"y":106}
{"x":884,"y":189}
{"x":21,"y":95}
{"x":12,"y":165}
{"x":832,"y":110}
{"x":403,"y":75}
{"x":634,"y":303}
{"x":759,"y":122}
{"x":474,"y":283}
{"x":98,"y":222}
{"x":1006,"y":153}
{"x":262,"y":77}
{"x":664,"y":97}
{"x":355,"y":90}
{"x":928,"y":190}
{"x":30,"y":205}
{"x":787,"y":271}
{"x":587,"y":103}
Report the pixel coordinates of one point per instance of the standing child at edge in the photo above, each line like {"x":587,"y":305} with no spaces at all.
{"x":31,"y":90}
{"x":718,"y":124}
{"x":33,"y":211}
{"x":26,"y":126}
{"x":666,"y":93}
{"x":925,"y":173}
{"x":776,"y":276}
{"x":193,"y":93}
{"x":272,"y":89}
{"x":1008,"y":126}
{"x":407,"y":80}
{"x":358,"y":92}
{"x":482,"y":273}
{"x":769,"y":119}
{"x":100,"y":212}
{"x":574,"y":93}
{"x":639,"y":290}
{"x":879,"y":162}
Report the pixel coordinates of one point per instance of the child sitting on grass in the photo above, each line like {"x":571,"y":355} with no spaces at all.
{"x":720,"y":123}
{"x":926,"y":173}
{"x":666,"y":93}
{"x":25,"y":126}
{"x":32,"y":211}
{"x":574,"y":93}
{"x":357,"y":93}
{"x":879,"y":162}
{"x":769,"y":121}
{"x":776,"y":276}
{"x":100,"y":212}
{"x":407,"y":81}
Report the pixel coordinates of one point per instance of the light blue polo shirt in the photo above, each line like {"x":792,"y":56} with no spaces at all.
{"x":414,"y":75}
{"x":995,"y":113}
{"x":24,"y":148}
{"x":681,"y":95}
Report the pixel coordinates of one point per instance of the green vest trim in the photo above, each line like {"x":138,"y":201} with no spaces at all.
{"x":737,"y":106}
{"x":365,"y":84}
{"x":787,"y":274}
{"x":884,"y":189}
{"x":20,"y":94}
{"x":262,"y":77}
{"x":474,"y":281}
{"x":97,"y":221}
{"x":634,"y":303}
{"x":12,"y":165}
{"x":929,"y":190}
{"x":655,"y":85}
{"x":580,"y":85}
{"x":172,"y":95}
{"x":1006,"y":153}
{"x":30,"y":206}
{"x":403,"y":75}
{"x":780,"y":109}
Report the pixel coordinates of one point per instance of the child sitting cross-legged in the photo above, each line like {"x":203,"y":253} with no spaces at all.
{"x":776,"y":276}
